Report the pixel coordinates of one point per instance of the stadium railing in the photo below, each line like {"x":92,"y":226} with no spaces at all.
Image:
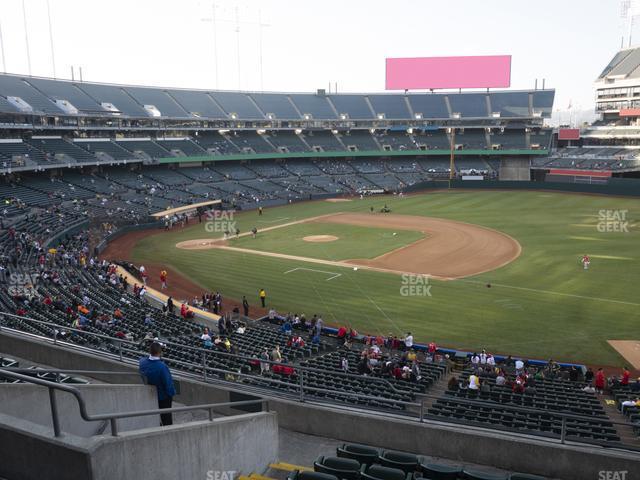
{"x":418,"y":407}
{"x":112,"y":417}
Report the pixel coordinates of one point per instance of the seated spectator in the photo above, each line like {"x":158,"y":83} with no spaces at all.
{"x":453,"y":384}
{"x":286,"y":327}
{"x":474,"y":382}
{"x":589,"y":388}
{"x":501,"y":379}
{"x":629,"y":404}
{"x":485,"y":387}
{"x":519,"y":384}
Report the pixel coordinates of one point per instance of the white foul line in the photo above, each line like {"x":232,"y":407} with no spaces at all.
{"x":273,"y":221}
{"x":334,"y":274}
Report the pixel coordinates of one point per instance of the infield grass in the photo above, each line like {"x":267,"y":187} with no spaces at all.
{"x":541,"y":305}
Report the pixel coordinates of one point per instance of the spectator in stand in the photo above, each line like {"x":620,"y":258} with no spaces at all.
{"x":344,"y":364}
{"x":474,"y":382}
{"x":155,"y":372}
{"x":286,"y":327}
{"x":501,"y":379}
{"x":630,"y":404}
{"x":588,"y":377}
{"x":635,"y":386}
{"x":453,"y":384}
{"x":245,"y":306}
{"x":491,"y":361}
{"x":485,"y":387}
{"x":264,"y":361}
{"x":573,"y":374}
{"x":624,"y":380}
{"x":276,"y":356}
{"x":519,"y":384}
{"x":415,"y":372}
{"x":600,"y":381}
{"x":408,"y":341}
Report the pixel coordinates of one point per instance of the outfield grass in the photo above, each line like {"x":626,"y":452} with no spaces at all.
{"x":541,"y":305}
{"x":349,"y":245}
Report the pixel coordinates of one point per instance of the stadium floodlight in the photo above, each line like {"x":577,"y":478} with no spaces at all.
{"x":307,"y":116}
{"x":418,"y":116}
{"x":298,"y":131}
{"x":380,"y":116}
{"x":261,"y":131}
{"x":343,"y":116}
{"x":334,"y":131}
{"x":234,"y":116}
{"x":410,"y":131}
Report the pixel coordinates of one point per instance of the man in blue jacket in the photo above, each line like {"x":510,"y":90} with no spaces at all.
{"x":155,"y":372}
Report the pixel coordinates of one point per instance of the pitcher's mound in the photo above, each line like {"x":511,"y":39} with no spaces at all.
{"x":320,"y":238}
{"x":337,"y":200}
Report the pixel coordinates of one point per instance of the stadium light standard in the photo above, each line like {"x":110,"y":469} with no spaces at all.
{"x":26,"y":36}
{"x":4,"y":66}
{"x":215,"y":38}
{"x":53,"y":57}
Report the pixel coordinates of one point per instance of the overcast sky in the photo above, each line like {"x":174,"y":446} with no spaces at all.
{"x":306,"y":45}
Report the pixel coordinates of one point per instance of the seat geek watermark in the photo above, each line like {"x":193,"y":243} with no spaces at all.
{"x":22,"y":284}
{"x":613,"y":221}
{"x":613,"y":475}
{"x":221,"y":475}
{"x":415,"y":285}
{"x":221,"y":221}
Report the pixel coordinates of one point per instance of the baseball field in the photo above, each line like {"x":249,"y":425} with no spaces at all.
{"x":504,"y":268}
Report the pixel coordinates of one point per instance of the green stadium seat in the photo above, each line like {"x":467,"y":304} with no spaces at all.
{"x":435,"y":471}
{"x":298,"y":475}
{"x":407,"y":462}
{"x":378,"y":472}
{"x":344,"y":468}
{"x":471,"y":474}
{"x":362,"y":453}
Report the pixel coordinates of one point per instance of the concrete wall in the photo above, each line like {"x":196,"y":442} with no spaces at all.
{"x":31,"y":403}
{"x":29,"y":451}
{"x":507,"y":452}
{"x":244,"y":443}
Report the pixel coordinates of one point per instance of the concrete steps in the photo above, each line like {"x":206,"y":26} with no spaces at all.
{"x":625,"y":432}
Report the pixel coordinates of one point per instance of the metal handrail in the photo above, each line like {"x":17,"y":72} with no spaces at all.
{"x":562,"y":416}
{"x":113,"y":417}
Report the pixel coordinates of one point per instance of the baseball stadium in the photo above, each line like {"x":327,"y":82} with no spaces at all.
{"x":435,"y":278}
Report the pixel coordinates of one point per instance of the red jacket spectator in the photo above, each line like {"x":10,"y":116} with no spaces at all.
{"x":600,"y":380}
{"x":342,"y":332}
{"x":625,"y":376}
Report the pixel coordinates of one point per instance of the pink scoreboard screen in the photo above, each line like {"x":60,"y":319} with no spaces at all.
{"x":489,"y":71}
